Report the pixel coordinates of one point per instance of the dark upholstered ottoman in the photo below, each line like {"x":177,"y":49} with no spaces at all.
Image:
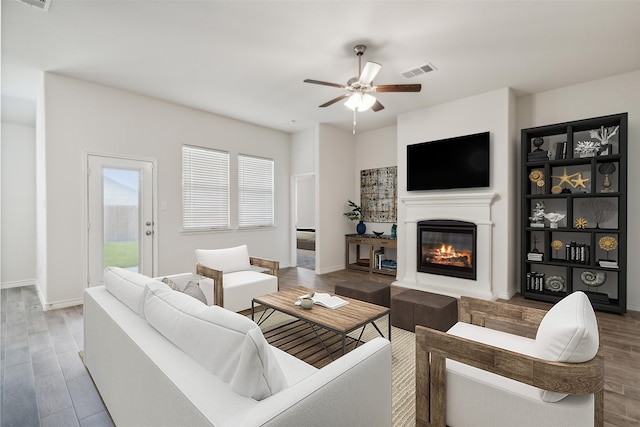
{"x":365,"y":290}
{"x":412,"y":307}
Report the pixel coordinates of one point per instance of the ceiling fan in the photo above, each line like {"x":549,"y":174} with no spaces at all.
{"x":359,"y":89}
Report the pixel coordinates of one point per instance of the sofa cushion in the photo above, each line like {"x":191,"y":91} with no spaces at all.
{"x":127,"y":286}
{"x":240,"y":287}
{"x":226,"y":260}
{"x":227,"y":344}
{"x":567,"y":333}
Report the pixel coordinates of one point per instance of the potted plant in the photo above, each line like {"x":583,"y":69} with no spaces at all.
{"x":355,"y":214}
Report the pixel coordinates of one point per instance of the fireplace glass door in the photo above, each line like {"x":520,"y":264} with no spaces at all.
{"x":447,"y":248}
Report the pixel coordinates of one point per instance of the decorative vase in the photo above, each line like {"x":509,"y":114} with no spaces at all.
{"x":361,"y":228}
{"x":394,"y":231}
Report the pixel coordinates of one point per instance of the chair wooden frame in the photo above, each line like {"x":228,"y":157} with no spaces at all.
{"x":434,"y":347}
{"x":217,"y":276}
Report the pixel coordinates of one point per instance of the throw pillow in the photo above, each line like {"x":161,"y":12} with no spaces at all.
{"x":170,"y":283}
{"x":567,"y":333}
{"x":193,"y":290}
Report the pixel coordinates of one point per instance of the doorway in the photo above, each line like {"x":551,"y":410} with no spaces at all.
{"x":305,"y":221}
{"x":121,"y":219}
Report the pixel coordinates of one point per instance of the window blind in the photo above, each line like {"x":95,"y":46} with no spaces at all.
{"x":255,"y":191}
{"x":205,"y":188}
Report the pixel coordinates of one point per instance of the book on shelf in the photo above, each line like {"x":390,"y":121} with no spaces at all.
{"x":389,"y":264}
{"x":608,"y":264}
{"x":577,"y":252}
{"x":561,"y":150}
{"x":324,"y":300}
{"x":535,"y":282}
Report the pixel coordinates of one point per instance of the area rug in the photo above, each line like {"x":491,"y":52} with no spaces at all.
{"x":403,"y":353}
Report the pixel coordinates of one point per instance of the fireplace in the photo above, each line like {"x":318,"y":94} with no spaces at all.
{"x":447,"y":247}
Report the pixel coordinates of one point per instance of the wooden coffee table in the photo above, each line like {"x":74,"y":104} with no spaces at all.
{"x":344,"y":320}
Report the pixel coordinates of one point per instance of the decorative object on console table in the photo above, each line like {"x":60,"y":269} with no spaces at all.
{"x":394,"y":231}
{"x":355,"y":214}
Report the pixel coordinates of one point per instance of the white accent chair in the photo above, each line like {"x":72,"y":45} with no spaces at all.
{"x":472,"y":375}
{"x":232,"y":279}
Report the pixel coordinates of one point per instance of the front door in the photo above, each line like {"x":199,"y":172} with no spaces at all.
{"x":121,"y":229}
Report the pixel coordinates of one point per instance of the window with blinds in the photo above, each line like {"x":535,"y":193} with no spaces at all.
{"x":255,"y":191}
{"x":205,"y":188}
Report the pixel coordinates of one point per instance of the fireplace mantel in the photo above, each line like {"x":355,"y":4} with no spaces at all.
{"x":470,"y":207}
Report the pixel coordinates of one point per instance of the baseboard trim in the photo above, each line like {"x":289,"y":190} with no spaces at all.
{"x":18,"y":284}
{"x":62,"y":304}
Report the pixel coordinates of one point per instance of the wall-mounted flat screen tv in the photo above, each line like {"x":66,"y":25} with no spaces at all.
{"x":460,"y":162}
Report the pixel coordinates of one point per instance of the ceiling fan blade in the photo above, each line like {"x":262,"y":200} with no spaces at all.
{"x":369,"y":72}
{"x":319,"y":82}
{"x":399,"y":88}
{"x":334,"y":100}
{"x":377,"y":106}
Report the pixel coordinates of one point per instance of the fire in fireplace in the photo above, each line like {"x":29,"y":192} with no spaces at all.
{"x":447,"y":247}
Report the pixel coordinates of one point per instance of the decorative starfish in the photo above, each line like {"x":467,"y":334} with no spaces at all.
{"x":566,"y":178}
{"x":579,"y":182}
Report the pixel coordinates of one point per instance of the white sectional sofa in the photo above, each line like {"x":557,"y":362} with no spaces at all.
{"x":161,"y":358}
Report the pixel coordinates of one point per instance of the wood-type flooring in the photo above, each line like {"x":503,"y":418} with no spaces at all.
{"x":44,"y":382}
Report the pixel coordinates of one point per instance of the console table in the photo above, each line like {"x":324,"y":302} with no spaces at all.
{"x":376,"y":263}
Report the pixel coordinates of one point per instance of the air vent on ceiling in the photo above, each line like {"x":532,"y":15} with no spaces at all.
{"x":409,"y":74}
{"x":38,"y":4}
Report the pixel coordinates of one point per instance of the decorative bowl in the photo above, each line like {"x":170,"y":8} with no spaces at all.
{"x":378,"y":233}
{"x":306,"y":303}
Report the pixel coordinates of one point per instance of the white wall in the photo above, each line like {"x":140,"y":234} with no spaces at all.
{"x":493,"y":112}
{"x":375,"y":149}
{"x":18,"y":154}
{"x":303,"y":152}
{"x":617,"y":94}
{"x":335,"y":175}
{"x":83,"y":117}
{"x":303,"y":155}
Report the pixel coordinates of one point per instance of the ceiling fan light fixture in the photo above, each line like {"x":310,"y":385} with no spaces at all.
{"x":360,"y":101}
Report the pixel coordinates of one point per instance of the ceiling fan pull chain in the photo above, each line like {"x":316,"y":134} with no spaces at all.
{"x":355,"y":110}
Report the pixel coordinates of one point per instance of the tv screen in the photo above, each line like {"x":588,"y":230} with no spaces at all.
{"x":461,"y":162}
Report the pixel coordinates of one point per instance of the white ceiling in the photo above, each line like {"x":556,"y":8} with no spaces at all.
{"x":248,"y":59}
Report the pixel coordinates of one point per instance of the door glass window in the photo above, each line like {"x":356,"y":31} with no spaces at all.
{"x":121,"y":200}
